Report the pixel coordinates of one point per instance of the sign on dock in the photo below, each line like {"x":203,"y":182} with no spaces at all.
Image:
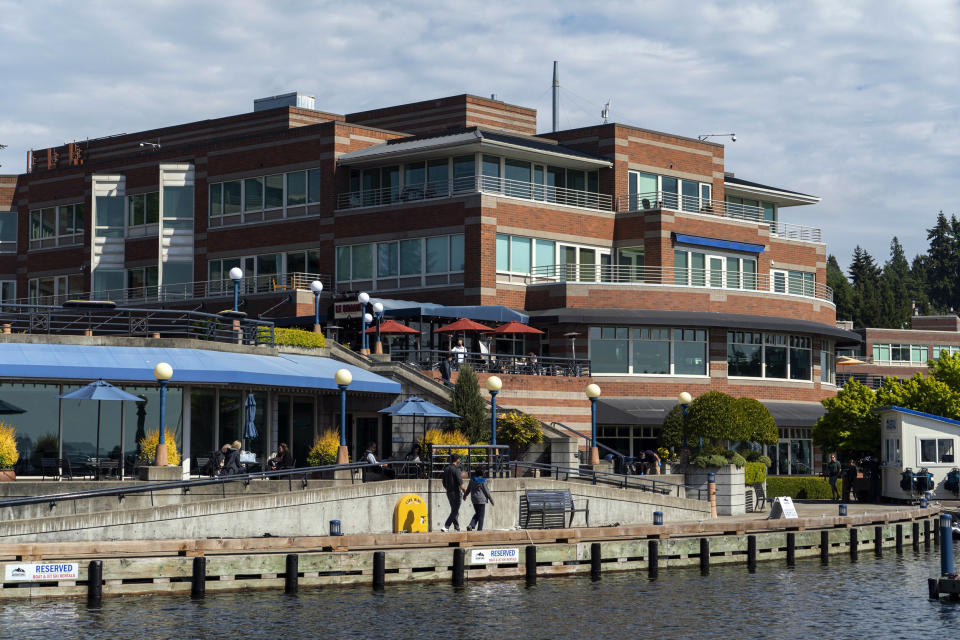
{"x":495,"y":556}
{"x":782,"y":507}
{"x":41,"y":571}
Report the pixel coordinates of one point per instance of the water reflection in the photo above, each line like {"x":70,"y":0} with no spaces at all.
{"x":875,"y":597}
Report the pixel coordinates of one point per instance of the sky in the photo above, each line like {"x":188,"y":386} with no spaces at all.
{"x":854,"y":102}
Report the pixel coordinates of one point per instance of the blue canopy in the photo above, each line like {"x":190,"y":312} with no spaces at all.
{"x":718,"y":243}
{"x":416,"y":406}
{"x":251,"y":410}
{"x":101,"y":390}
{"x":480,"y":313}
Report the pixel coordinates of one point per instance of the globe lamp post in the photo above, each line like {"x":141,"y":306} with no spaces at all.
{"x":343,"y":378}
{"x":363,"y":299}
{"x":236,"y":274}
{"x":317,"y":287}
{"x":494,"y":384}
{"x":684,"y":400}
{"x":593,"y":392}
{"x":162,"y":372}
{"x":378,"y":314}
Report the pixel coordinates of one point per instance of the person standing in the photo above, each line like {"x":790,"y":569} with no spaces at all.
{"x":849,"y":479}
{"x":446,"y":370}
{"x":833,"y":474}
{"x":459,"y":352}
{"x":453,"y":483}
{"x":479,"y":496}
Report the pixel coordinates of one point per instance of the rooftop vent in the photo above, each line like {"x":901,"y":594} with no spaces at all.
{"x":295,"y":99}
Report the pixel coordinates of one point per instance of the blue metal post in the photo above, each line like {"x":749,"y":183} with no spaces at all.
{"x":946,"y":544}
{"x":593,"y":422}
{"x":343,"y":415}
{"x":163,"y":404}
{"x":684,"y":430}
{"x":493,"y":418}
{"x":236,"y":295}
{"x":379,"y":316}
{"x":316,"y":308}
{"x":363,"y":326}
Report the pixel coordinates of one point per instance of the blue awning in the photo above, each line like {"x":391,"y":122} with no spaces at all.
{"x":718,"y":243}
{"x":488,"y":313}
{"x":190,"y":366}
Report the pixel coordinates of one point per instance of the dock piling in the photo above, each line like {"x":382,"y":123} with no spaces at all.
{"x":595,"y":560}
{"x":899,"y":539}
{"x":946,"y":544}
{"x":824,"y":547}
{"x":458,"y":557}
{"x":653,"y":558}
{"x":854,"y":545}
{"x":926,"y":533}
{"x":291,"y":576}
{"x":94,"y":582}
{"x":915,"y":536}
{"x":530,"y":564}
{"x":878,"y":541}
{"x":936,"y":531}
{"x":791,"y":549}
{"x":198,"y":582}
{"x":752,"y":554}
{"x":379,"y":569}
{"x":704,"y":556}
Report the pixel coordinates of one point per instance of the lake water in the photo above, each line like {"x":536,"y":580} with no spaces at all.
{"x":872,"y":598}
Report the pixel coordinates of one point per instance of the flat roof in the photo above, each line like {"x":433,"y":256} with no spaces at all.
{"x":29,"y":361}
{"x":922,"y":414}
{"x":782,"y":197}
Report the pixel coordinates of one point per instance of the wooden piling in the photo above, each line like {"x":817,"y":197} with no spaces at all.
{"x":292,"y":574}
{"x":653,"y":558}
{"x":791,"y":549}
{"x":899,"y":538}
{"x":95,"y":582}
{"x":704,"y":556}
{"x":595,"y":560}
{"x":751,"y":553}
{"x":530,"y":564}
{"x":379,"y":569}
{"x":198,"y":582}
{"x":926,"y":533}
{"x":915,"y":537}
{"x":825,"y":547}
{"x":854,"y":544}
{"x":878,"y":541}
{"x":458,"y":561}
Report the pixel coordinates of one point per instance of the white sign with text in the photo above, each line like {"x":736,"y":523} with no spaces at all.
{"x":783,"y":507}
{"x":41,"y":571}
{"x":495,"y":556}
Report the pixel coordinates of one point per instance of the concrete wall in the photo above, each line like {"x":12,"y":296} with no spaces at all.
{"x":361,"y":508}
{"x":730,"y":488}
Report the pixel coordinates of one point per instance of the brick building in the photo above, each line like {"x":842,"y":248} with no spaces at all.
{"x":636,"y":252}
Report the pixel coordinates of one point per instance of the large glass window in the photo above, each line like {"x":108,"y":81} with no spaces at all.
{"x":296,"y":188}
{"x":438,"y":258}
{"x":8,"y":232}
{"x":314,"y":185}
{"x":503,"y":252}
{"x":609,"y":350}
{"x":361,"y":262}
{"x":178,"y":207}
{"x":690,"y":352}
{"x":649,"y":350}
{"x":914,"y":354}
{"x":253,"y":194}
{"x":520,"y":254}
{"x":464,"y":170}
{"x":456,"y":252}
{"x":387,"y":259}
{"x":232,"y":197}
{"x":410,"y":261}
{"x":109,"y":217}
{"x":828,"y":362}
{"x":744,"y":354}
{"x":216,"y":200}
{"x":273,"y":191}
{"x":756,"y":355}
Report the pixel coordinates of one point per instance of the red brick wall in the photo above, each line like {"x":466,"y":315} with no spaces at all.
{"x":454,"y":112}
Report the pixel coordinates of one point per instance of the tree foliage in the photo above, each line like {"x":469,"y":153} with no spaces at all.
{"x":714,"y":416}
{"x":756,"y":421}
{"x":469,"y":405}
{"x":671,"y":435}
{"x":519,"y":430}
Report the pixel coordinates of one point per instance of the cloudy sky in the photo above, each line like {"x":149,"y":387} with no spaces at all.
{"x":856,"y":102}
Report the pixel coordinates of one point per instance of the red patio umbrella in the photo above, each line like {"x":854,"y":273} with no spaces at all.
{"x":463,"y":324}
{"x":517,"y":327}
{"x":392,"y":327}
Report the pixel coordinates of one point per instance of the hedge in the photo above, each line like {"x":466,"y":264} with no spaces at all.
{"x":801,"y":488}
{"x":754,"y":472}
{"x":299,"y":338}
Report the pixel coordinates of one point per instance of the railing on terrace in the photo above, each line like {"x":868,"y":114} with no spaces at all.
{"x":429,"y":359}
{"x":673,"y":277}
{"x":472,"y":184}
{"x":695,"y":204}
{"x":164,"y":323}
{"x":871,"y":380}
{"x":192,"y":290}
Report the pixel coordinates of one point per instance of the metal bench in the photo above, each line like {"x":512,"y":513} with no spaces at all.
{"x":760,"y":497}
{"x":553,"y":505}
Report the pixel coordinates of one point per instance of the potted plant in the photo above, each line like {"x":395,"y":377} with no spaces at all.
{"x":324,"y":452}
{"x":148,"y":447}
{"x":8,"y":452}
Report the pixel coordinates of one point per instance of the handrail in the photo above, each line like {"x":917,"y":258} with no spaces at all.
{"x":621,"y":479}
{"x":506,"y":363}
{"x":600,"y":445}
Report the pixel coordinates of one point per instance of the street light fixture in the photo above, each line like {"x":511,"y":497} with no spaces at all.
{"x":593,"y":392}
{"x":343,"y":378}
{"x":162,"y":372}
{"x":378,"y":314}
{"x":684,"y":400}
{"x":494,"y":384}
{"x":317,"y":287}
{"x":363,"y":299}
{"x":236,"y":274}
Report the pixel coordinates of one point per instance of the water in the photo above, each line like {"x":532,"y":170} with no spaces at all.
{"x":873,"y":598}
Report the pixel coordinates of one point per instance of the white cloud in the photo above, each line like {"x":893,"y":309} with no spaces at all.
{"x":852,"y":101}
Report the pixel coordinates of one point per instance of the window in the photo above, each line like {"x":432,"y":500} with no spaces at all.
{"x":800,"y":283}
{"x":265,"y":272}
{"x":8,"y":232}
{"x":906,"y":354}
{"x":698,"y":269}
{"x":936,"y":451}
{"x":251,"y":197}
{"x":387,"y":259}
{"x":51,"y":227}
{"x":216,"y":200}
{"x":410,"y":262}
{"x":109,"y":219}
{"x":52,"y":290}
{"x":648,"y":350}
{"x":143,"y":209}
{"x":752,"y":354}
{"x":296,"y":188}
{"x":8,"y":291}
{"x":314,"y":183}
{"x":178,"y":207}
{"x":938,"y":349}
{"x":142,"y":282}
{"x":751,"y":209}
{"x":253,"y":194}
{"x":417,"y":262}
{"x":649,"y":191}
{"x":891,"y":451}
{"x":828,"y":363}
{"x":438,"y":255}
{"x":520,"y":254}
{"x":464,"y":171}
{"x":273,"y":191}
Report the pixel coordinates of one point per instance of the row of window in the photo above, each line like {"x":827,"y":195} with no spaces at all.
{"x":119,"y":216}
{"x":697,"y":269}
{"x":753,"y":354}
{"x":388,"y":263}
{"x":265,"y":272}
{"x":651,"y":191}
{"x":56,"y":226}
{"x":53,"y":290}
{"x":8,"y":231}
{"x":291,"y":189}
{"x":903,"y":353}
{"x":648,"y":350}
{"x":769,"y":209}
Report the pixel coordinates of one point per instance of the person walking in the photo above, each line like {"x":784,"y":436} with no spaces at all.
{"x":460,"y":353}
{"x":833,"y":474}
{"x":849,"y":479}
{"x":446,"y":370}
{"x":453,"y":483}
{"x":479,"y":496}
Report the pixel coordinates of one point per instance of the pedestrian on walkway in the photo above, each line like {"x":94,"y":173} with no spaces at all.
{"x":453,"y":483}
{"x":833,"y":474}
{"x":849,"y":479}
{"x":479,"y":496}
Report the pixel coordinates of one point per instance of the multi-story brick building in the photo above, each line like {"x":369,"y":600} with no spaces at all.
{"x":671,"y":273}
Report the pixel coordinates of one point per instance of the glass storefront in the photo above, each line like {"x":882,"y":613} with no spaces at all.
{"x":793,"y":454}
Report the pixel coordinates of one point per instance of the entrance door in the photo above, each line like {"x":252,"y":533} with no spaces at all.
{"x":365,"y":431}
{"x":303,"y":435}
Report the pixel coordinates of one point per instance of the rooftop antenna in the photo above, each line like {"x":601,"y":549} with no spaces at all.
{"x":733,"y":136}
{"x":556,"y":95}
{"x":605,"y":112}
{"x":2,"y":147}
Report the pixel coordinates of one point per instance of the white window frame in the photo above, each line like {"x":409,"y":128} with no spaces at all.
{"x":936,"y":439}
{"x":672,"y":350}
{"x":708,"y":272}
{"x":56,"y":240}
{"x":261,"y":214}
{"x":427,"y":280}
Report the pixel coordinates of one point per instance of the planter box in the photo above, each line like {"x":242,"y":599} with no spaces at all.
{"x":7,"y":475}
{"x":730,"y":489}
{"x":161,"y":474}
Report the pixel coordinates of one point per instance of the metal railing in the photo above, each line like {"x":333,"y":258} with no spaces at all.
{"x":165,"y":323}
{"x":871,"y":380}
{"x":694,"y":204}
{"x":249,"y":285}
{"x":472,"y":184}
{"x":430,"y":359}
{"x":674,"y":277}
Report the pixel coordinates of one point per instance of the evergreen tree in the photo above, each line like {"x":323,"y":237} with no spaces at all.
{"x":918,"y":285}
{"x":941,"y":263}
{"x":895,"y":285}
{"x":865,"y":276}
{"x":469,"y":405}
{"x":842,"y":291}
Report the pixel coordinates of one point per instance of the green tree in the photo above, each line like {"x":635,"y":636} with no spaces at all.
{"x":842,"y":290}
{"x":469,"y":405}
{"x":757,"y":422}
{"x":946,"y":369}
{"x":713,"y":416}
{"x":849,"y":423}
{"x":519,"y":430}
{"x":865,"y":276}
{"x":918,"y":295}
{"x":896,"y":283}
{"x":942,"y":262}
{"x":671,"y":435}
{"x":920,"y":393}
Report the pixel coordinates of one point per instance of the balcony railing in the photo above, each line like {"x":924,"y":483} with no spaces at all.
{"x":427,"y":359}
{"x":672,"y":277}
{"x":472,"y":184}
{"x":694,"y":204}
{"x":871,"y":380}
{"x":192,"y":290}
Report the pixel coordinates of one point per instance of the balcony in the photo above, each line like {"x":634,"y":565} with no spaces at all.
{"x":475,"y":184}
{"x":673,"y":277}
{"x":661,"y":200}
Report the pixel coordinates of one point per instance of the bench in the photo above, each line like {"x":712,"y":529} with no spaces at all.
{"x":54,"y":467}
{"x":553,"y":505}
{"x":760,"y":497}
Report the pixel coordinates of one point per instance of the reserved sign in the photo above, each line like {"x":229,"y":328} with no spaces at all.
{"x":495,"y":556}
{"x":41,"y":571}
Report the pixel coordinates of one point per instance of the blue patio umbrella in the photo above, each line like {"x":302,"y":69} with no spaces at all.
{"x":250,"y":429}
{"x":98,"y":390}
{"x":415,"y":406}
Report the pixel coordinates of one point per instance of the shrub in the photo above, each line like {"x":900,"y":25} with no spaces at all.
{"x":800,"y":488}
{"x":757,"y":424}
{"x":752,"y":455}
{"x":299,"y":338}
{"x":711,"y":460}
{"x":469,"y":405}
{"x":737,"y":460}
{"x":671,"y":435}
{"x":754,"y":472}
{"x":714,"y":416}
{"x":519,"y":430}
{"x":324,"y":449}
{"x":8,"y":446}
{"x":148,"y":446}
{"x":436,"y":436}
